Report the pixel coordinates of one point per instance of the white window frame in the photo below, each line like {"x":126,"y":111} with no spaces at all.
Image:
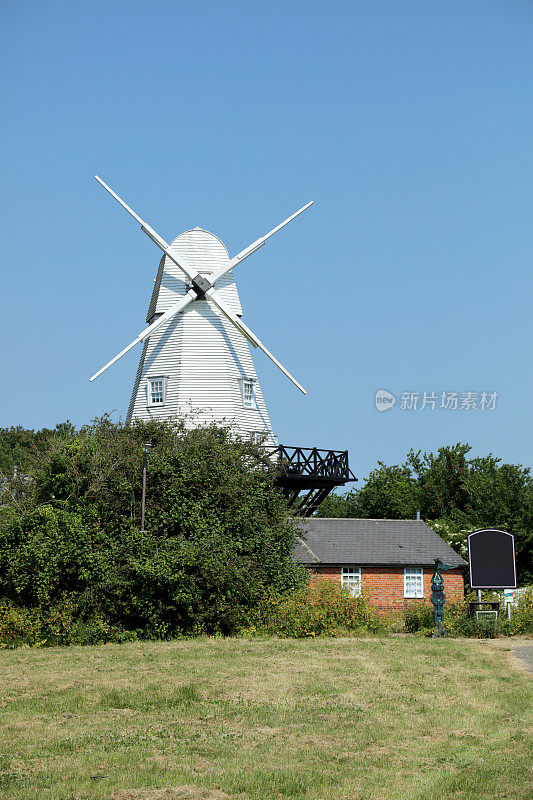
{"x":248,"y":403}
{"x":413,"y":572}
{"x":149,"y":381}
{"x":347,"y":576}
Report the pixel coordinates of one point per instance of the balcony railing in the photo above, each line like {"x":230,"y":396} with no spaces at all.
{"x":311,"y":462}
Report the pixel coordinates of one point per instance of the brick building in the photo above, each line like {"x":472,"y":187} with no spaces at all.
{"x":392,"y":559}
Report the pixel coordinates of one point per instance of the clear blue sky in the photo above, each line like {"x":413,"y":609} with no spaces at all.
{"x":409,"y":123}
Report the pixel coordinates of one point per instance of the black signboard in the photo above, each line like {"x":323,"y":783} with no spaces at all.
{"x":491,"y":559}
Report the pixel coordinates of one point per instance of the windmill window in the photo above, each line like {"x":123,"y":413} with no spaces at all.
{"x":156,"y":391}
{"x":248,"y":394}
{"x":413,"y":582}
{"x":351,"y":577}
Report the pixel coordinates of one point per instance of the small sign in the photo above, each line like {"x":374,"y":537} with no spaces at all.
{"x":491,"y":559}
{"x":491,"y":616}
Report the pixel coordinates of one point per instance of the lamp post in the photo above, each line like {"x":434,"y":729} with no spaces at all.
{"x":146,"y":445}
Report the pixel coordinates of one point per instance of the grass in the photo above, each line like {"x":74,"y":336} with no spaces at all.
{"x":324,"y":719}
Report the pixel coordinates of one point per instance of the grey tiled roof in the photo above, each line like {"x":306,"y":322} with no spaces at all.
{"x":401,"y":542}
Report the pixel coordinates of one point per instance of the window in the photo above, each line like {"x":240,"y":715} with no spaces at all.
{"x":351,"y":577}
{"x":156,"y":391}
{"x":413,"y":582}
{"x":248,"y":395}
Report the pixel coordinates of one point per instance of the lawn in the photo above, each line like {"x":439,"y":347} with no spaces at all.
{"x":325,"y":719}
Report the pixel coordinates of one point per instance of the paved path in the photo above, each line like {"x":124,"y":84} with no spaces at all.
{"x":519,"y":651}
{"x":524,"y":653}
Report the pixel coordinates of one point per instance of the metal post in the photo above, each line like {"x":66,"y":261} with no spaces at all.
{"x":146,"y":445}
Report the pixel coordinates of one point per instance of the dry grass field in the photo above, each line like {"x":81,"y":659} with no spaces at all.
{"x":329,"y":719}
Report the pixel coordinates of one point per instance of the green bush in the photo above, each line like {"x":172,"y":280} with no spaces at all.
{"x":59,"y":625}
{"x":521,"y":622}
{"x":19,"y":626}
{"x":459,"y":622}
{"x":418,"y":617}
{"x":468,"y":626}
{"x":218,"y":535}
{"x":321,"y":610}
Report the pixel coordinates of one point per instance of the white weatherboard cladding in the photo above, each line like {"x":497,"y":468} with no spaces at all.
{"x":202,"y":355}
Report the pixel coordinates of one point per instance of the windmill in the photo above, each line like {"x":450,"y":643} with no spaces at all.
{"x":196,"y":361}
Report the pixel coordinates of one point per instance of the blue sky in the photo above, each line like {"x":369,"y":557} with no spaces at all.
{"x":408,"y":123}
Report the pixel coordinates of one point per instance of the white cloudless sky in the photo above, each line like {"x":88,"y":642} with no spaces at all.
{"x":410,"y":124}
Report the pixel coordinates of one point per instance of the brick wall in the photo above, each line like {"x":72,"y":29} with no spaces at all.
{"x":386,"y":586}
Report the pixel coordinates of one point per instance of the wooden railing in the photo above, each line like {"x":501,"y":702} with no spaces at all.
{"x":310,"y":462}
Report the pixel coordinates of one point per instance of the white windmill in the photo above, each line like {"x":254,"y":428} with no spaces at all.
{"x":196,"y":359}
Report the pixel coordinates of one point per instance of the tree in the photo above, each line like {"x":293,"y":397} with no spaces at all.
{"x":218,"y":531}
{"x":22,"y":449}
{"x":454,"y":494}
{"x":388,"y":493}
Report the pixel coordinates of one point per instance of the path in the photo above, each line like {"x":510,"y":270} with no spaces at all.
{"x":524,"y":653}
{"x":520,"y":651}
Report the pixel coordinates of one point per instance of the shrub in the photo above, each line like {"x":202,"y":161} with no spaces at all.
{"x":459,"y":621}
{"x":469,"y":626}
{"x":218,"y":534}
{"x":418,"y":617}
{"x":521,"y":622}
{"x":19,"y":626}
{"x":321,"y":610}
{"x":59,"y":625}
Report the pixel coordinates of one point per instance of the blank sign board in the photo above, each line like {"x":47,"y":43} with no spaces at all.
{"x":491,"y":559}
